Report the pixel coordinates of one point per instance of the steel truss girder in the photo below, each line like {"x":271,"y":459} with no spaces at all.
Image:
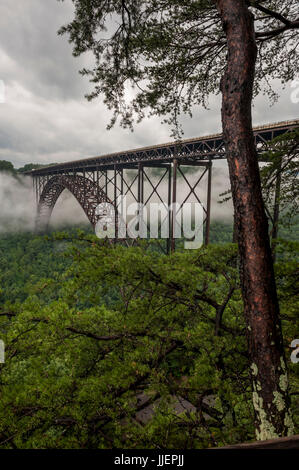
{"x":92,"y":188}
{"x":193,"y":150}
{"x":103,"y":179}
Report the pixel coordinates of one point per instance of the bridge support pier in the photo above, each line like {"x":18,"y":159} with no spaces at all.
{"x":173,"y":210}
{"x":144,"y":182}
{"x":50,"y":181}
{"x":208,"y":216}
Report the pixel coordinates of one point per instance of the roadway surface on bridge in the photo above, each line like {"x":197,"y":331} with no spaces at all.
{"x":190,"y":150}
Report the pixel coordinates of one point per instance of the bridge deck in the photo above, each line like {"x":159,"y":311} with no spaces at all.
{"x":190,"y":151}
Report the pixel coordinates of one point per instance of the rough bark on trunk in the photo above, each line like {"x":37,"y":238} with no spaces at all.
{"x":235,"y":230}
{"x":276,"y":210}
{"x":268,"y":365}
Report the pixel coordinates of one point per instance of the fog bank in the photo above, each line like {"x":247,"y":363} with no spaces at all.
{"x":18,"y":206}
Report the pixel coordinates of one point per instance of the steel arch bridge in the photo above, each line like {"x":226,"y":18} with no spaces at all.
{"x":87,"y":193}
{"x":130,"y":173}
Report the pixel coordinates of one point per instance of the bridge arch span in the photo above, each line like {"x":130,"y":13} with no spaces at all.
{"x":87,"y":193}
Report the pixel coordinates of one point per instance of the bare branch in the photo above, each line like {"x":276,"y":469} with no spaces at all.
{"x":271,"y":13}
{"x":276,"y":32}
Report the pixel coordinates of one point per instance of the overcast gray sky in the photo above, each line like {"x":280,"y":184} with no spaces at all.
{"x":46,"y":118}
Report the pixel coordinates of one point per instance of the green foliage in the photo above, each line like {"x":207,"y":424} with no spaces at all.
{"x":282,"y":166}
{"x":6,"y":167}
{"x":29,"y":167}
{"x":33,"y":166}
{"x":26,"y":260}
{"x":113,"y":331}
{"x":221,"y":232}
{"x":279,"y":178}
{"x":171,"y":54}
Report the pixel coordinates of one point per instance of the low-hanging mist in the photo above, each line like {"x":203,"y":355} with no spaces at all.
{"x":18,"y":205}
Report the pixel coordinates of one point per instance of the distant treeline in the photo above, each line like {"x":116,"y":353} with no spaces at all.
{"x":8,"y":167}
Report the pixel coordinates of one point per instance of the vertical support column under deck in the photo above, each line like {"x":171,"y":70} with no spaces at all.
{"x":208,"y":218}
{"x":36,"y":190}
{"x":121,"y":181}
{"x":140,"y":193}
{"x":173,"y":213}
{"x":115,"y":204}
{"x":84,"y":187}
{"x":97,"y":177}
{"x":121,"y":208}
{"x":140,"y":183}
{"x":168,"y":246}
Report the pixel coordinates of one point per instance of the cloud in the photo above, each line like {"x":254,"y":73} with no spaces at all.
{"x":18,"y":206}
{"x":46,"y":118}
{"x":37,"y":57}
{"x":67,"y":212}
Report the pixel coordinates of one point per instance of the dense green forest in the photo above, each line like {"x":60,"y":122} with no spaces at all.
{"x":114,"y":347}
{"x":118,"y":345}
{"x":108,"y":346}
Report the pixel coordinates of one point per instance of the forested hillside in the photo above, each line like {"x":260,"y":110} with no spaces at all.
{"x":106,"y":341}
{"x":120,"y":347}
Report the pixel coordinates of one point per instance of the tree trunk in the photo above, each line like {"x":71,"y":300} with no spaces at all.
{"x":268,"y":365}
{"x":276,"y":210}
{"x":235,"y":230}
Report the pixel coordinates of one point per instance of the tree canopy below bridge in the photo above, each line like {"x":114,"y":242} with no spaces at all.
{"x":175,"y":55}
{"x":110,"y":347}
